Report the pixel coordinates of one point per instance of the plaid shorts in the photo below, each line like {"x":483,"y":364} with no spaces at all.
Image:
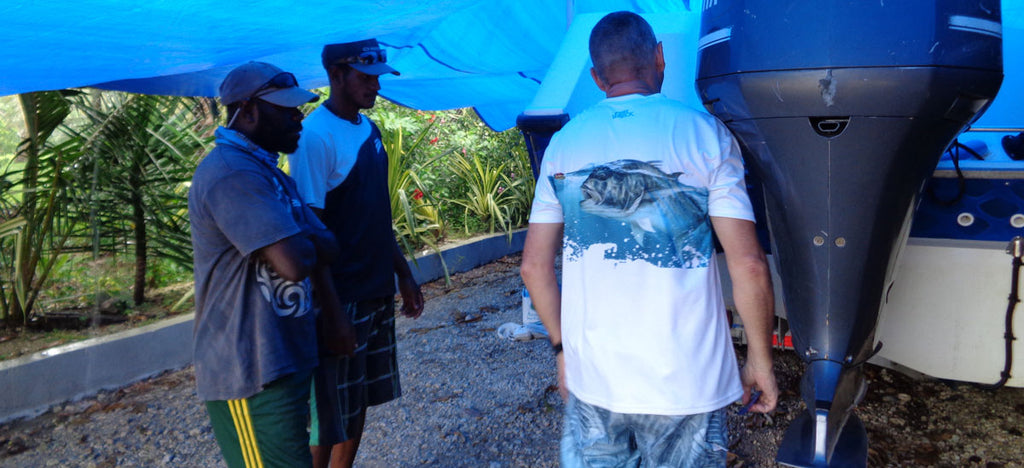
{"x":344,"y":387}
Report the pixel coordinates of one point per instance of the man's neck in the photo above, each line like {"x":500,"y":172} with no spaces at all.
{"x":630,"y":87}
{"x":349,"y":113}
{"x":244,"y":138}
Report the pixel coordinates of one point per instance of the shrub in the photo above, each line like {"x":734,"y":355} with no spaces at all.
{"x":488,"y":191}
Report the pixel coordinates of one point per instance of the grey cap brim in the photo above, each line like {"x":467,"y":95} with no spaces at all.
{"x":289,"y":97}
{"x":379,"y":68}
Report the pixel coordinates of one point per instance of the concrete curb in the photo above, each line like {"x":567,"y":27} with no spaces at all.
{"x":32,"y":384}
{"x":467,"y":255}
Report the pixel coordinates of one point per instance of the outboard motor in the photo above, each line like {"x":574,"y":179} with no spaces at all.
{"x":537,"y":131}
{"x":843,"y":109}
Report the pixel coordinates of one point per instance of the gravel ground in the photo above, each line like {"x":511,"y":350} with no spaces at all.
{"x":474,"y":400}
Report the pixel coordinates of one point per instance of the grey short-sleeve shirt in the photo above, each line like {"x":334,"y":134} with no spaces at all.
{"x":251,"y":326}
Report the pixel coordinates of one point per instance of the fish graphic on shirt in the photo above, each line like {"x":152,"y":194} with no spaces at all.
{"x":655,"y":206}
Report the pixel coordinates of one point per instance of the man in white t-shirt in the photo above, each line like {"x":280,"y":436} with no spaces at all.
{"x":630,"y":191}
{"x":341,"y":171}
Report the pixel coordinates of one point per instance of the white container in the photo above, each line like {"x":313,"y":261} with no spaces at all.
{"x":531,"y":321}
{"x":529,"y":313}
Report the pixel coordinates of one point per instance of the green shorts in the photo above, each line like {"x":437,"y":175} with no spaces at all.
{"x":268,"y":429}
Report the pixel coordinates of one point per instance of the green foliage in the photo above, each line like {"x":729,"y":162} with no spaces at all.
{"x":165,"y":272}
{"x":10,"y":122}
{"x":522,"y":185}
{"x":9,"y":199}
{"x":11,"y":257}
{"x":103,"y":177}
{"x":140,"y":154}
{"x":36,"y":193}
{"x":488,"y":195}
{"x":415,"y":215}
{"x":487,"y":179}
{"x":447,"y":136}
{"x":78,"y":278}
{"x":103,"y":172}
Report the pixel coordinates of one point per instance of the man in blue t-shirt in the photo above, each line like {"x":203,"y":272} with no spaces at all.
{"x":341,"y":170}
{"x":259,"y":253}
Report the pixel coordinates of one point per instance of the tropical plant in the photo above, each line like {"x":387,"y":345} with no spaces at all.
{"x":10,"y":120}
{"x":10,"y":254}
{"x":521,"y":194}
{"x":35,"y":203}
{"x":489,"y":192}
{"x":462,"y":131}
{"x":415,"y":215}
{"x":139,"y":153}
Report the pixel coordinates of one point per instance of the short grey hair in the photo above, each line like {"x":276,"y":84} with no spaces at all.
{"x":622,"y":42}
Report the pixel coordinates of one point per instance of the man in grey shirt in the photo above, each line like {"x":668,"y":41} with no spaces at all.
{"x":259,"y":253}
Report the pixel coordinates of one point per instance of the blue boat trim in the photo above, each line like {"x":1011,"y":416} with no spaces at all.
{"x":976,"y":25}
{"x":714,"y":37}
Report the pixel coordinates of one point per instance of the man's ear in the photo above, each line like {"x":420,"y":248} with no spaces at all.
{"x":597,"y":80}
{"x":248,"y":117}
{"x":336,"y":75}
{"x":332,"y":73}
{"x":251,"y":112}
{"x":659,"y":58}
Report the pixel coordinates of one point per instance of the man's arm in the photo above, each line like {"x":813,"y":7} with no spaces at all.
{"x":334,"y":326}
{"x":755,"y":302}
{"x":246,"y":208}
{"x":323,"y":239}
{"x":543,"y":240}
{"x":412,"y":297}
{"x":293,"y":258}
{"x":296,"y":257}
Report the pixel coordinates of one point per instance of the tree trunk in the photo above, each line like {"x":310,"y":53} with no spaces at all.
{"x":139,"y":220}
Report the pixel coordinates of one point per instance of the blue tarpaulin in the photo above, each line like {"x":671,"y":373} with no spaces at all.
{"x":488,"y":54}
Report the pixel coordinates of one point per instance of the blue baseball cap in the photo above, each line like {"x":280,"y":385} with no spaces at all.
{"x":366,"y":56}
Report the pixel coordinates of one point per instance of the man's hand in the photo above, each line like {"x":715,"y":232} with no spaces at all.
{"x":336,"y":334}
{"x":412,"y":297}
{"x":563,"y":389}
{"x":763,"y":378}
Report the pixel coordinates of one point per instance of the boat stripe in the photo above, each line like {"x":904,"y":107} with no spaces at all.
{"x":976,"y":25}
{"x":714,"y":37}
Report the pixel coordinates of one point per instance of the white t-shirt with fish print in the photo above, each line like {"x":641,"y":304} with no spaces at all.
{"x":634,"y":179}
